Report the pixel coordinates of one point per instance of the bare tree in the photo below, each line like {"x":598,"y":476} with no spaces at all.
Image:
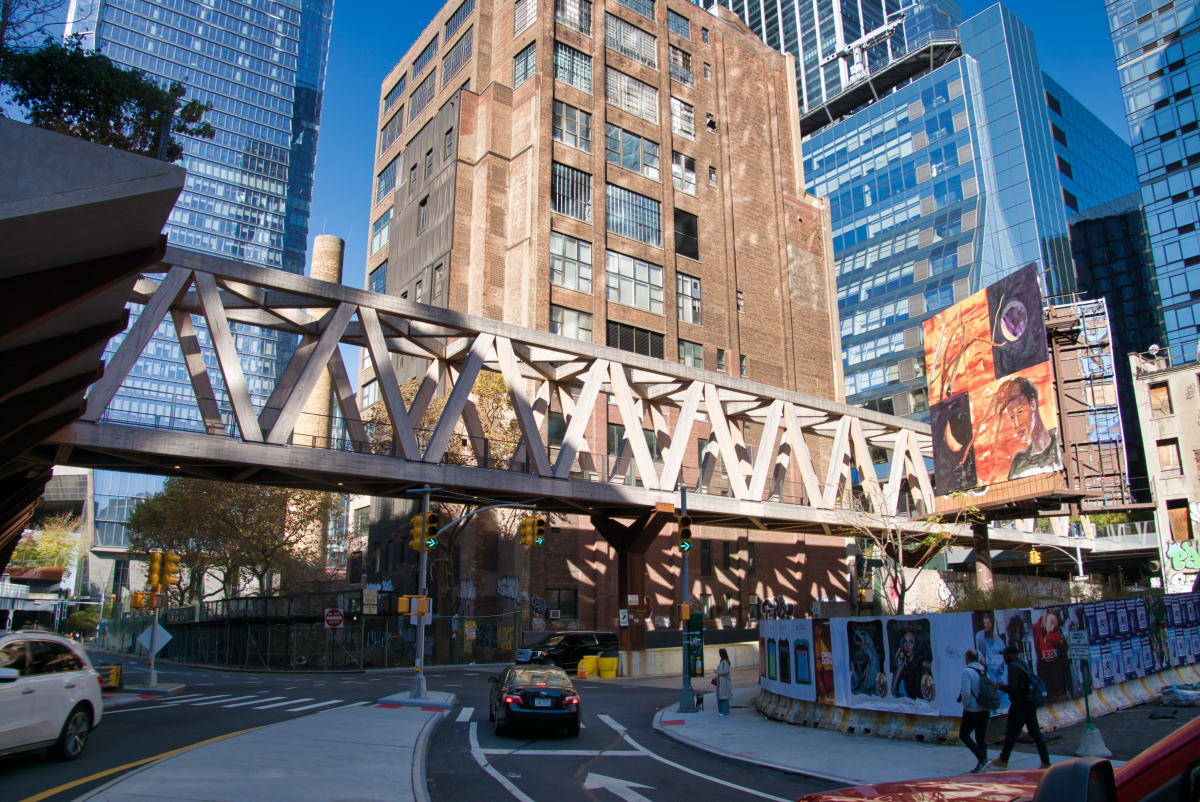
{"x":26,"y":23}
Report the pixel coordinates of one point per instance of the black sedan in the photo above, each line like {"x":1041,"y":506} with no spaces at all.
{"x":540,"y":696}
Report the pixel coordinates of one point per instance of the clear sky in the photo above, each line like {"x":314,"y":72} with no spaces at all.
{"x":370,"y":37}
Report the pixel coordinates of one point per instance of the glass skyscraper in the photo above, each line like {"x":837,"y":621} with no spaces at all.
{"x":248,"y":196}
{"x":1157,"y":50}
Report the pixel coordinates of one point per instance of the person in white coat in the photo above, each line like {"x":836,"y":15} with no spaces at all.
{"x":724,"y":684}
{"x":975,"y":714}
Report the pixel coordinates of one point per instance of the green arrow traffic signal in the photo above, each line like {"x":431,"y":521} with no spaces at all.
{"x":431,"y":542}
{"x":539,"y":541}
{"x":685,"y":546}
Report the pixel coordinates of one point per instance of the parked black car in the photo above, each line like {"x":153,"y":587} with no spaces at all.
{"x":566,"y":649}
{"x":535,"y":697}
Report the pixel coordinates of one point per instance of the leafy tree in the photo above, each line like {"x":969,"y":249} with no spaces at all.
{"x":85,"y":620}
{"x":54,"y":542}
{"x":67,"y":89}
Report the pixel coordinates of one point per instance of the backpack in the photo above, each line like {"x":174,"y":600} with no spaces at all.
{"x":1035,"y":694}
{"x":989,"y":695}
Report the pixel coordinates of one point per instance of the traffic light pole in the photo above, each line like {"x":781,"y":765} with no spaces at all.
{"x":687,"y":697}
{"x":153,"y":639}
{"x":418,"y":684}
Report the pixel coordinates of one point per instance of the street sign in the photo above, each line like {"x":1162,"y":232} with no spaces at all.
{"x":160,"y":638}
{"x":370,"y":601}
{"x":624,"y":620}
{"x":633,"y":600}
{"x":333,"y":618}
{"x":469,"y":630}
{"x":1077,"y":646}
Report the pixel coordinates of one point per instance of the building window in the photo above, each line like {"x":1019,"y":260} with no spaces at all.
{"x":370,"y":394}
{"x":387,"y":180}
{"x":378,"y":280}
{"x":629,"y":94}
{"x":422,"y":61}
{"x":381,"y":231}
{"x":524,"y":15}
{"x":1179,"y":519}
{"x":704,"y":35}
{"x":687,"y":298}
{"x":683,"y":173}
{"x":634,"y":340}
{"x":707,"y":71}
{"x":575,"y":14}
{"x":681,"y":66}
{"x":687,"y":234}
{"x":706,"y":570}
{"x":632,"y":282}
{"x":412,"y":179}
{"x":572,"y":126}
{"x":570,"y":323}
{"x":457,"y":58}
{"x":419,"y":292}
{"x":632,"y":215}
{"x":391,"y":132}
{"x":1160,"y":400}
{"x":750,"y":563}
{"x":691,"y":354}
{"x":742,"y":365}
{"x":449,"y":144}
{"x":1059,"y":135}
{"x":1168,"y":456}
{"x":726,"y":555}
{"x":572,"y":67}
{"x":565,"y":601}
{"x":683,"y":118}
{"x":423,"y":214}
{"x":712,"y":176}
{"x":459,"y":17}
{"x":429,"y":163}
{"x":524,"y":63}
{"x":643,"y":7}
{"x":1070,"y":200}
{"x":631,"y":151}
{"x":1064,"y":167}
{"x":570,"y":262}
{"x":741,"y":303}
{"x":1053,"y":103}
{"x":721,"y":360}
{"x":571,"y":192}
{"x":630,"y":41}
{"x":395,"y":93}
{"x":437,"y":282}
{"x":422,"y":96}
{"x":679,"y":24}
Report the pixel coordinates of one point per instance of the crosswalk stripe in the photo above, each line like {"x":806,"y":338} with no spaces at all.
{"x":179,"y":698}
{"x":310,"y":707}
{"x":465,"y":714}
{"x":288,"y":702}
{"x":224,"y":696}
{"x":220,"y":701}
{"x":253,"y":701}
{"x":343,"y":707}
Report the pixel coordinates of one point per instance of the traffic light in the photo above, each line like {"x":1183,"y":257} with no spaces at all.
{"x":526,"y":531}
{"x":539,"y":531}
{"x":418,"y":532}
{"x":155,"y":568}
{"x":683,"y":538}
{"x":431,"y":530}
{"x":170,"y":570}
{"x":1035,"y":557}
{"x":137,"y":601}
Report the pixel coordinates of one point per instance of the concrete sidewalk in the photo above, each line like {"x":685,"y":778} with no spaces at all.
{"x":353,"y":753}
{"x":823,"y":754}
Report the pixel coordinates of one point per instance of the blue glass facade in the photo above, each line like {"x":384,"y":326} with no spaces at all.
{"x":947,"y":184}
{"x":1157,"y":49}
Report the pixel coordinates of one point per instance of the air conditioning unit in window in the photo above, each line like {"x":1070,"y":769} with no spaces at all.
{"x":555,"y":614}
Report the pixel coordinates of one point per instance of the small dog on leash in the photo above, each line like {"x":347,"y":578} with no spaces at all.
{"x":699,"y":701}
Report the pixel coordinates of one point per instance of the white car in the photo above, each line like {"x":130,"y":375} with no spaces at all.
{"x":49,"y":693}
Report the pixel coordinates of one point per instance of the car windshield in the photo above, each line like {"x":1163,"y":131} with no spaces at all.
{"x":553,"y":640}
{"x":540,"y":677}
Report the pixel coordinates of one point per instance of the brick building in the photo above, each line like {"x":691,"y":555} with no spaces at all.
{"x":627,"y":173}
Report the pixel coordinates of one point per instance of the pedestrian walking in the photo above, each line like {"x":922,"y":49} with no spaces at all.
{"x":1022,"y":711}
{"x":976,"y":710}
{"x":724,"y":684}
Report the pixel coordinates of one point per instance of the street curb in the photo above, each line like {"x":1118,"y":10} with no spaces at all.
{"x":763,"y":764}
{"x":420,"y":780}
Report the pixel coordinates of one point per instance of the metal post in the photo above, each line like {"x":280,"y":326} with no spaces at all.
{"x":418,"y":684}
{"x":153,"y":638}
{"x":687,"y":697}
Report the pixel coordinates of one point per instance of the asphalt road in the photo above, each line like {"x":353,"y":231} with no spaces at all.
{"x":618,"y":756}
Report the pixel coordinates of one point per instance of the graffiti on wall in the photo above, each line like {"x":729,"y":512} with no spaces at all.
{"x":508,"y":587}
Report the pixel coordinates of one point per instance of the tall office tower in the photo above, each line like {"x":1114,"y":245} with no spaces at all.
{"x":950,"y":181}
{"x":1156,"y":46}
{"x":261,"y":63}
{"x":625,"y":173}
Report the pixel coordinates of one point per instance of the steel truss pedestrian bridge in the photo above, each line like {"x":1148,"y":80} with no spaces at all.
{"x":773,"y":484}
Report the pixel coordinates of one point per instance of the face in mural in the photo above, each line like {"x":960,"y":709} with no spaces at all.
{"x":1021,"y":415}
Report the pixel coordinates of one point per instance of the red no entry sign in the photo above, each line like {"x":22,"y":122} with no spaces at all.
{"x":333,"y":618}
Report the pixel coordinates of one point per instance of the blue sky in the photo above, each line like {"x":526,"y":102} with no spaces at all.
{"x":370,"y":37}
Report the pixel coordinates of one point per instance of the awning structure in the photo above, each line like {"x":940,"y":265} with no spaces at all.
{"x":78,"y":223}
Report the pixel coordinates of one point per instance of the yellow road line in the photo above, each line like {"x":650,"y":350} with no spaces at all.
{"x":106,"y":772}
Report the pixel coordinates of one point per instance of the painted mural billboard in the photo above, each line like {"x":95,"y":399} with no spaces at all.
{"x":993,"y":412}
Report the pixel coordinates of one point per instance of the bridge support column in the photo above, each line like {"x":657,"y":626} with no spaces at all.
{"x":631,"y":543}
{"x":983,"y":556}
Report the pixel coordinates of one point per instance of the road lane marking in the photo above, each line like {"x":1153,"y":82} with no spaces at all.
{"x":310,"y":707}
{"x":288,"y":702}
{"x":83,"y":781}
{"x":609,"y":721}
{"x":465,"y":714}
{"x":224,"y":696}
{"x":180,"y":698}
{"x":255,"y":701}
{"x":567,"y":752}
{"x":343,"y":707}
{"x":221,"y":701}
{"x":481,"y":759}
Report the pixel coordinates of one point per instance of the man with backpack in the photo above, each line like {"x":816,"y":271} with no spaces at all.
{"x":979,"y":698}
{"x":1026,"y":693}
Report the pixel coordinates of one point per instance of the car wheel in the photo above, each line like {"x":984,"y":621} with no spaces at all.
{"x":501,"y":727}
{"x":573,"y":729}
{"x":491,"y":712}
{"x":74,"y":735}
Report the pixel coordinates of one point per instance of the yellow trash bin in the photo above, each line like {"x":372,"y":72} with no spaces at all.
{"x":590,"y":665}
{"x":608,"y":667}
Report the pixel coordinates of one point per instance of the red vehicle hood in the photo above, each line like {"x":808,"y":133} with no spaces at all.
{"x":1001,"y":786}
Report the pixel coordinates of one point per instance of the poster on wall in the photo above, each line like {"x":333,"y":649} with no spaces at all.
{"x":990,"y":641}
{"x":790,"y":667}
{"x":1064,"y":677}
{"x":887,"y":663}
{"x":823,"y":661}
